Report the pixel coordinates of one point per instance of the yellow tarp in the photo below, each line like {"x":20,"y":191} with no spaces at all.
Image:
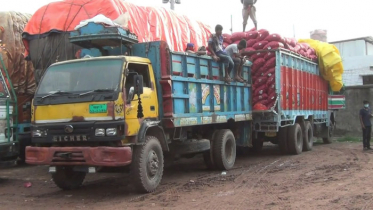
{"x":330,"y":62}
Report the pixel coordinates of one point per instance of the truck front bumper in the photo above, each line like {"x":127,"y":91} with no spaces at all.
{"x":87,"y":156}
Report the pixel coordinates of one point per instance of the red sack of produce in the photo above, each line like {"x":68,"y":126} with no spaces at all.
{"x":251,"y":43}
{"x":311,"y":51}
{"x":257,"y":64}
{"x":270,"y":72}
{"x":304,"y":46}
{"x":237,"y":36}
{"x":313,"y":58}
{"x":259,"y":107}
{"x":262,"y":34}
{"x":257,"y":55}
{"x":236,"y":42}
{"x":291,"y":41}
{"x":273,"y":45}
{"x":270,"y":63}
{"x":227,"y":38}
{"x":264,"y":102}
{"x":256,"y":99}
{"x":251,"y":35}
{"x":272,"y":96}
{"x":269,"y":55}
{"x":297,"y":48}
{"x":260,"y":81}
{"x":260,"y":45}
{"x":288,"y":47}
{"x":260,"y":90}
{"x":258,"y":72}
{"x":270,"y":105}
{"x":270,"y":80}
{"x":225,"y":45}
{"x":271,"y":88}
{"x":302,"y":53}
{"x":253,"y":29}
{"x":274,"y":38}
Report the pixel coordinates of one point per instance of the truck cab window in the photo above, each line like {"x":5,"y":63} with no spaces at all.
{"x":141,"y":69}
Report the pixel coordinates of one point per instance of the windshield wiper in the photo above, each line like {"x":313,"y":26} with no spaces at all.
{"x":97,"y":91}
{"x":55,"y":93}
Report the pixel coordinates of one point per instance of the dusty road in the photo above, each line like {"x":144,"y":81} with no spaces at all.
{"x":336,"y":176}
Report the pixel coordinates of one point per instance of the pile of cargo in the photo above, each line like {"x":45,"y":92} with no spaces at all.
{"x":260,"y":46}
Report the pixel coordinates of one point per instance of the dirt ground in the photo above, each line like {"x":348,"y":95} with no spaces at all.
{"x":336,"y":176}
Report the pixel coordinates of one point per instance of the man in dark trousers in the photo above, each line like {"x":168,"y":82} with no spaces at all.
{"x":365,"y":116}
{"x":249,"y":10}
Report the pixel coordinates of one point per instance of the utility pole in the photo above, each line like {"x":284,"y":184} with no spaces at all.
{"x":231,"y":24}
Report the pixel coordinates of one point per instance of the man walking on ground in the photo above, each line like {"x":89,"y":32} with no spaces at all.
{"x":217,"y":51}
{"x":249,"y":10}
{"x":365,"y":115}
{"x":233,"y":51}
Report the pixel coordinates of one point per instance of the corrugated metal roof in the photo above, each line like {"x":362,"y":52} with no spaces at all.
{"x":367,"y":39}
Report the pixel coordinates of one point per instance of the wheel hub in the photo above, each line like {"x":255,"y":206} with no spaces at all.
{"x":152,"y":164}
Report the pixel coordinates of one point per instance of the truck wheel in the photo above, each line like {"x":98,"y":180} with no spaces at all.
{"x":208,"y":160}
{"x":283,"y":140}
{"x":224,"y":150}
{"x":147,"y":165}
{"x":308,"y":136}
{"x":68,"y":179}
{"x":328,"y":140}
{"x":295,"y":139}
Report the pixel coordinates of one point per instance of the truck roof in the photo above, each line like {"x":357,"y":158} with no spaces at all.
{"x":124,"y":58}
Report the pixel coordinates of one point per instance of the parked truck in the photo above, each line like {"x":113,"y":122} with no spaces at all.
{"x":111,"y":110}
{"x":305,"y":107}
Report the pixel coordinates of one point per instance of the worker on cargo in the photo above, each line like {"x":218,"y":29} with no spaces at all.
{"x":249,"y":10}
{"x":365,"y":116}
{"x":233,"y":51}
{"x":217,"y":51}
{"x":190,"y":49}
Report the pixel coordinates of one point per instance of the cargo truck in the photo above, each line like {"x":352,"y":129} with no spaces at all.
{"x":111,"y":110}
{"x":305,"y":106}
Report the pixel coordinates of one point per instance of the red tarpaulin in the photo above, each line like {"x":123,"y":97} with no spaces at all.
{"x":149,"y":23}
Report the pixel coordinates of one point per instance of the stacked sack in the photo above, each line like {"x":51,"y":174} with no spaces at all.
{"x":264,"y":62}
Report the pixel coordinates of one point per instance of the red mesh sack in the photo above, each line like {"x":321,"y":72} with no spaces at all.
{"x":251,"y":35}
{"x":260,"y":81}
{"x":271,"y":80}
{"x":259,"y":107}
{"x":297,"y":48}
{"x":270,"y":63}
{"x":274,"y":38}
{"x":260,"y":45}
{"x":271,"y":88}
{"x":270,"y":72}
{"x":262,"y":34}
{"x":313,"y":58}
{"x":237,"y":36}
{"x":291,"y":41}
{"x":311,"y":51}
{"x":304,"y":46}
{"x":257,"y":55}
{"x":260,"y":90}
{"x":251,"y":43}
{"x":257,"y":64}
{"x":269,"y":55}
{"x":236,"y":42}
{"x":264,"y":102}
{"x":227,"y":38}
{"x":270,"y":104}
{"x":253,"y":29}
{"x":260,"y":97}
{"x":258,"y":72}
{"x":273,"y":45}
{"x":271,"y":96}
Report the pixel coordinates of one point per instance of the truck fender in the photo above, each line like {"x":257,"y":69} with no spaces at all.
{"x":152,"y":128}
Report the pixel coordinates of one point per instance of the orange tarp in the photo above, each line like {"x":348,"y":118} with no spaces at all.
{"x":149,"y":23}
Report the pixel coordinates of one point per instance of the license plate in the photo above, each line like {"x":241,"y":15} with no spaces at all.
{"x":70,"y":138}
{"x":97,"y":108}
{"x":271,"y":134}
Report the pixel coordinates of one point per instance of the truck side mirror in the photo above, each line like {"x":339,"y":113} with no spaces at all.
{"x":139,"y":84}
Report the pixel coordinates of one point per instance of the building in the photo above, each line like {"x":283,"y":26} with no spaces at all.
{"x":357,"y":56}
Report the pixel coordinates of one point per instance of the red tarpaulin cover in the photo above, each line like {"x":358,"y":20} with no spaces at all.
{"x":149,"y":23}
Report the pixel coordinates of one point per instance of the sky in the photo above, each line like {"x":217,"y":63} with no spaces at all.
{"x":343,"y":19}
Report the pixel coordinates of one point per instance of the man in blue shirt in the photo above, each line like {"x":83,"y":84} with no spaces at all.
{"x":365,"y":115}
{"x":217,"y":51}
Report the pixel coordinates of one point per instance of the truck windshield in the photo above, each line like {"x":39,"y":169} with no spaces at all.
{"x":82,"y":76}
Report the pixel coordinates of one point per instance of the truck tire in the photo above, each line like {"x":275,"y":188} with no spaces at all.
{"x":224,"y":150}
{"x":68,"y":179}
{"x":283,"y":140}
{"x":328,"y":139}
{"x":295,"y":139}
{"x":147,"y":165}
{"x":308,"y":136}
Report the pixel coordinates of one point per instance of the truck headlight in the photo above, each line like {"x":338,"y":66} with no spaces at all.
{"x":111,"y":131}
{"x":39,"y":133}
{"x":100,"y":132}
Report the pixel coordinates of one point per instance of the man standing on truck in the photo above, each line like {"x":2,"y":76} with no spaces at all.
{"x":249,"y":10}
{"x":217,"y":51}
{"x":365,"y":115}
{"x":233,"y":51}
